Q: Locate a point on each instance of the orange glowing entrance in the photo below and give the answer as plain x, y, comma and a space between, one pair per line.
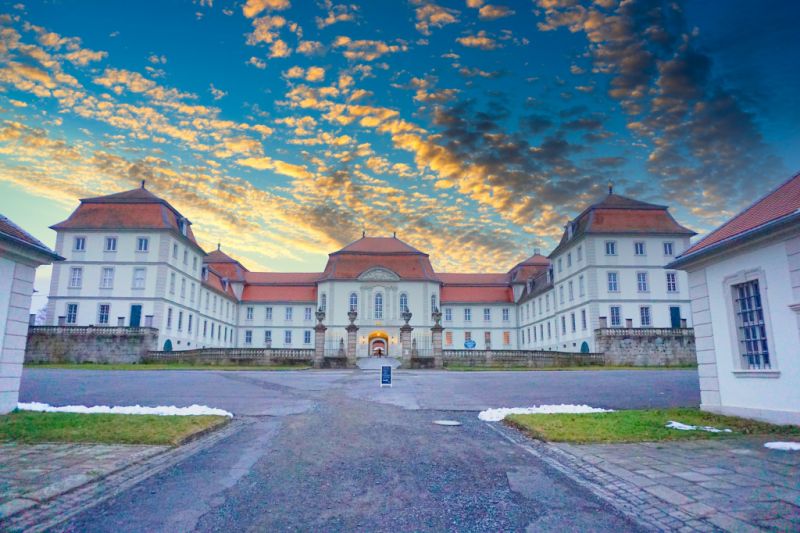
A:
378, 343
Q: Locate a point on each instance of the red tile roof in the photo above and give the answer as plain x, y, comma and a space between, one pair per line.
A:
289, 278
473, 294
134, 209
473, 278
214, 281
777, 204
226, 265
280, 293
619, 214
11, 232
388, 253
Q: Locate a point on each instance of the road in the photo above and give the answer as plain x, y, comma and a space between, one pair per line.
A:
332, 451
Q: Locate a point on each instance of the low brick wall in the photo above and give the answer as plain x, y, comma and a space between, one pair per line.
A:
234, 356
520, 358
646, 346
90, 344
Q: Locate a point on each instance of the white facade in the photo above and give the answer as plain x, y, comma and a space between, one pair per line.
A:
730, 383
20, 254
609, 280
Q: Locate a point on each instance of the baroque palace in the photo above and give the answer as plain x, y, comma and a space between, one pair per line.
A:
132, 260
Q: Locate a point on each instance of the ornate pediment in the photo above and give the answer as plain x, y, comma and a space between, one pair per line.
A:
378, 274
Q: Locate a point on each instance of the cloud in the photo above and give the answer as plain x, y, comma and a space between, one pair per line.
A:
252, 8
83, 56
218, 94
432, 15
480, 40
256, 62
492, 12
336, 13
366, 50
266, 29
281, 167
279, 49
309, 48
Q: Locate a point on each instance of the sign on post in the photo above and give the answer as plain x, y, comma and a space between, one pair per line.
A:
386, 376
469, 344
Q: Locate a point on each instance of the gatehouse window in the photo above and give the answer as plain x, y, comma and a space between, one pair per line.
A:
353, 301
323, 302
379, 305
433, 303
403, 303
751, 326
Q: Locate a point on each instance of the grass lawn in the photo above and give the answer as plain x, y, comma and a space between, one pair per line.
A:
464, 368
34, 427
639, 426
159, 366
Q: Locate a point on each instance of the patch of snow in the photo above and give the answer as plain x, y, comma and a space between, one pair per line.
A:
495, 415
161, 410
686, 427
447, 422
784, 446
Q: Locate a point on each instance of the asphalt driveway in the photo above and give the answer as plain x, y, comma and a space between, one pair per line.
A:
332, 451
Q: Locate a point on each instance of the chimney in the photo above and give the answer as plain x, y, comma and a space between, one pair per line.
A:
610, 187
536, 251
142, 184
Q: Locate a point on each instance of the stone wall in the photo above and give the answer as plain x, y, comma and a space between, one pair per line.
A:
520, 358
90, 344
646, 346
235, 356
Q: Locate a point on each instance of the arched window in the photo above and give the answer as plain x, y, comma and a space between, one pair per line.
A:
323, 302
379, 305
353, 301
403, 303
433, 303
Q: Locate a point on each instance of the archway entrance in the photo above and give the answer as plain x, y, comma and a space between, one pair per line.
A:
378, 344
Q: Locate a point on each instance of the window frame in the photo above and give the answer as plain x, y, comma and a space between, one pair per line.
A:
642, 281
739, 368
104, 279
671, 245
637, 245
75, 282
74, 307
100, 314
611, 321
611, 248
79, 239
135, 285
645, 310
615, 275
110, 244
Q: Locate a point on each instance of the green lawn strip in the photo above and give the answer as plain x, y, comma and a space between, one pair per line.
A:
639, 426
31, 427
160, 366
465, 368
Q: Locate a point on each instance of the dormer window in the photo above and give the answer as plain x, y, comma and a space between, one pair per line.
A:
570, 230
182, 224
224, 284
204, 273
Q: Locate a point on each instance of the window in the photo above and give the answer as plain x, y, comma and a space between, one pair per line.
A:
611, 247
580, 253
672, 282
487, 338
189, 324
669, 249
507, 338
323, 302
186, 257
138, 278
751, 327
194, 263
288, 314
353, 302
248, 336
549, 332
180, 320
379, 306
169, 320
249, 313
569, 259
433, 303
638, 248
561, 294
103, 310
172, 283
75, 277
80, 244
448, 338
174, 251
644, 316
287, 337
570, 291
307, 313
72, 313
572, 322
613, 285
641, 281
581, 292
307, 336
563, 325
616, 316
467, 315
111, 244
267, 337
583, 319
559, 265
487, 314
448, 314
183, 287
467, 336
107, 278
268, 313
191, 292
205, 328
547, 302
505, 314
403, 303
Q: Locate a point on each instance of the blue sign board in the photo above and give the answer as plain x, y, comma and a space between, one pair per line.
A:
386, 376
470, 344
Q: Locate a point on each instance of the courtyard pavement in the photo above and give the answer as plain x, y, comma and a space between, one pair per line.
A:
331, 450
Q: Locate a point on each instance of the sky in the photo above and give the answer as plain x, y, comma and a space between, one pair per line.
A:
473, 128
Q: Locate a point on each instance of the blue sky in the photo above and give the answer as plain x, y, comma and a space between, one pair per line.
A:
474, 129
